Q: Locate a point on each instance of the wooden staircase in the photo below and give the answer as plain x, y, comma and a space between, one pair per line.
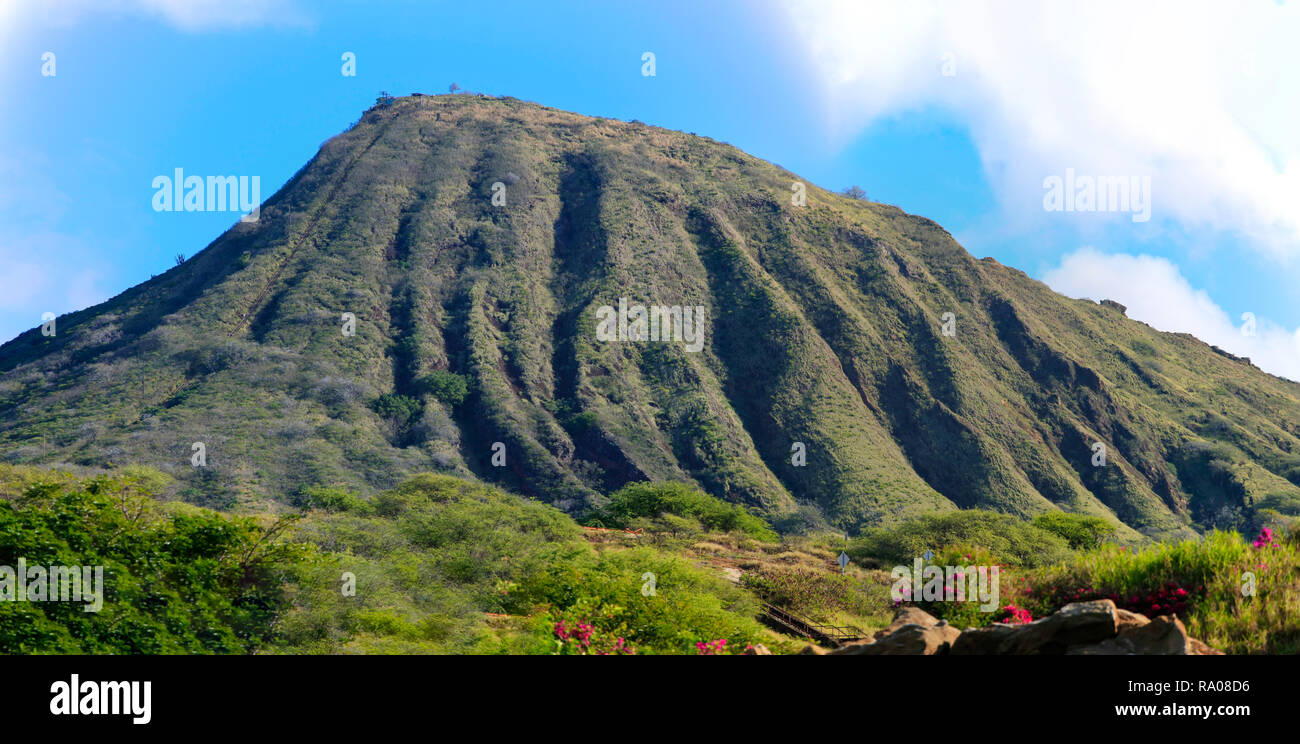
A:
786, 621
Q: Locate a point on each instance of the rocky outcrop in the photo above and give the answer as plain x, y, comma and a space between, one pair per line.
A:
1096, 628
907, 616
1074, 624
910, 639
1163, 636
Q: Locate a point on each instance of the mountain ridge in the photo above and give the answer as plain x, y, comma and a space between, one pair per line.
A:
825, 328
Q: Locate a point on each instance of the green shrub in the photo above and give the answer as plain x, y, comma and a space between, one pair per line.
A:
581, 422
1235, 595
330, 498
439, 552
448, 387
1081, 531
398, 408
654, 500
1142, 347
608, 591
1007, 538
176, 579
816, 594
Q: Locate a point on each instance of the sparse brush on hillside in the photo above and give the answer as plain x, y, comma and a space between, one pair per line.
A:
443, 565
810, 591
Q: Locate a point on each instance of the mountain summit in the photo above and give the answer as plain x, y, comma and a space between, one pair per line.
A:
563, 304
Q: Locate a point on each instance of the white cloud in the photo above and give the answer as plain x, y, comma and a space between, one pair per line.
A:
186, 15
1156, 293
198, 15
1201, 96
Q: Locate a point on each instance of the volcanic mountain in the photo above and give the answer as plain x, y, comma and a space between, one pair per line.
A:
426, 293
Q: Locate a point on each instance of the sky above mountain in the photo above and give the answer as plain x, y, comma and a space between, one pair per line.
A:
964, 112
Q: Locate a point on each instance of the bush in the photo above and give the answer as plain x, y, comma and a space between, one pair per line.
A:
338, 391
855, 192
1079, 530
1008, 539
398, 408
176, 579
581, 422
448, 387
655, 500
816, 594
330, 499
438, 552
1203, 582
605, 597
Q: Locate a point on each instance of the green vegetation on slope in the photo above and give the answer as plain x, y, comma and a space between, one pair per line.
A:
475, 331
443, 565
1238, 596
1004, 536
176, 578
676, 507
436, 565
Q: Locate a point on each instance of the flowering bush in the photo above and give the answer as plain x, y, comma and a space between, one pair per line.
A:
584, 639
605, 590
711, 648
1235, 594
1265, 539
966, 613
1016, 615
1160, 599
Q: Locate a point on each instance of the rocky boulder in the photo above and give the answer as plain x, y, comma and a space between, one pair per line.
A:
913, 632
1095, 628
1074, 624
907, 616
1163, 636
908, 640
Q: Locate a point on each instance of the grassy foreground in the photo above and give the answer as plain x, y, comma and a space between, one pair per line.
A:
444, 565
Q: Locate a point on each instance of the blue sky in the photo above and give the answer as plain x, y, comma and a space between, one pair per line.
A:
956, 111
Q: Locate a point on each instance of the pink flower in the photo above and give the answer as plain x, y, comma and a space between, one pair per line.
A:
1264, 540
711, 648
